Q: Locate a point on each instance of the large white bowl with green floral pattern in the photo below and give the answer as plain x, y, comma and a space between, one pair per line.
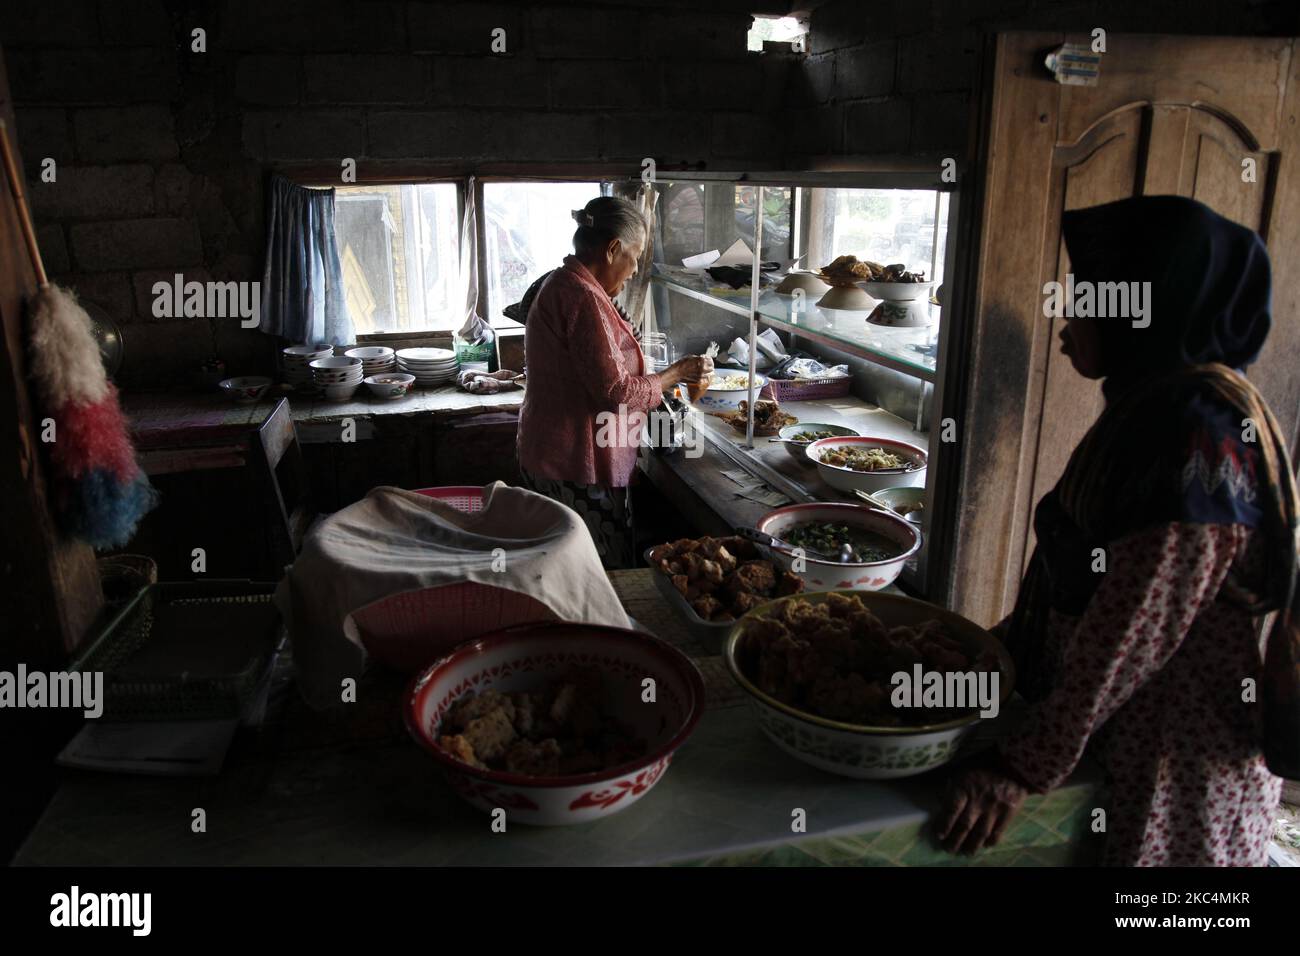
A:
854, 750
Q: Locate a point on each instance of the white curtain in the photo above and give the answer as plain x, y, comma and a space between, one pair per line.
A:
635, 298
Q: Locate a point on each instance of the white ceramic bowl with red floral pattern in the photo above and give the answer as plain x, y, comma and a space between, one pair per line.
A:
850, 480
529, 656
821, 575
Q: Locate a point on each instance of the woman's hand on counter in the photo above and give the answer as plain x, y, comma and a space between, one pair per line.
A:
691, 369
977, 808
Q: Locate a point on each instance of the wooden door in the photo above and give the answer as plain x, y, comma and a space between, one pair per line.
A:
1169, 115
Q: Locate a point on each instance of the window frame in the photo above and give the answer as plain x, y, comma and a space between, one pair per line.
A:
603, 174
810, 203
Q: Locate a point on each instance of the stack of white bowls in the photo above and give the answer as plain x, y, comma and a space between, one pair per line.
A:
296, 362
337, 377
431, 367
375, 359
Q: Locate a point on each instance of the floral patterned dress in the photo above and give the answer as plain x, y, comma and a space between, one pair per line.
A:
1152, 676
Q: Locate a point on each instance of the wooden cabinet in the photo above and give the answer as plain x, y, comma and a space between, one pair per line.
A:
1169, 115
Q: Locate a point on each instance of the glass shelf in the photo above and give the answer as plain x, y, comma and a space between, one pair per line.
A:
908, 350
703, 288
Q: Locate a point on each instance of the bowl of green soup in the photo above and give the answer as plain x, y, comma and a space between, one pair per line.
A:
879, 544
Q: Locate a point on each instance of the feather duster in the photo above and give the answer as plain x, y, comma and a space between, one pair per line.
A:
99, 492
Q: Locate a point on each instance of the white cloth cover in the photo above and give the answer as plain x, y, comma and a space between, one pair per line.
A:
393, 541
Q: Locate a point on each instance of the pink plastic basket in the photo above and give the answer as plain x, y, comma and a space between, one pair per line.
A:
802, 390
462, 497
409, 631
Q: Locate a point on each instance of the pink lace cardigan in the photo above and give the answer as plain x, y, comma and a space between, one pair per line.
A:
583, 360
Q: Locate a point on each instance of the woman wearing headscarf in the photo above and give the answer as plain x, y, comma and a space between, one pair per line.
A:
588, 386
1155, 661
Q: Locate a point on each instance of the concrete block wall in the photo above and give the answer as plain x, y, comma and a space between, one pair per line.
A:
162, 153
898, 76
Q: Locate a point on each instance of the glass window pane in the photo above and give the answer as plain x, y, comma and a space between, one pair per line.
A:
700, 218
528, 230
882, 225
398, 246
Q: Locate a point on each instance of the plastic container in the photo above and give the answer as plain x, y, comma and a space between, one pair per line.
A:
124, 576
186, 650
468, 498
808, 389
477, 355
409, 631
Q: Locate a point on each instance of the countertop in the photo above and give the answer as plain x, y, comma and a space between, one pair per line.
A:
351, 788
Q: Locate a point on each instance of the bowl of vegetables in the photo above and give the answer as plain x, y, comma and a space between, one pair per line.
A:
879, 544
799, 436
867, 463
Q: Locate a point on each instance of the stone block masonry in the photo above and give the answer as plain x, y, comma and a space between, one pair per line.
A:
162, 153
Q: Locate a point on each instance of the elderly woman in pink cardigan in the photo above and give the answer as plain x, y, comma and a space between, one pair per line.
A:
587, 379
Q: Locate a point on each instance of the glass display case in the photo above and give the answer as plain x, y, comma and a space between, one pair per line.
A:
894, 352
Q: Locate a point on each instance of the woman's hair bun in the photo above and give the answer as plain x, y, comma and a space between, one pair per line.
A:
606, 218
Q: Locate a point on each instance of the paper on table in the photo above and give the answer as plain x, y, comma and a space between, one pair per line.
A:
744, 479
737, 254
185, 748
703, 260
765, 496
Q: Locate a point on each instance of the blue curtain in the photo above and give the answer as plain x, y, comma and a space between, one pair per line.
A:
302, 284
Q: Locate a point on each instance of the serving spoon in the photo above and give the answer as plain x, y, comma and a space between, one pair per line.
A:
912, 516
845, 555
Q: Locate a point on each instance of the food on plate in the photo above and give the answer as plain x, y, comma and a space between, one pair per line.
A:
829, 537
804, 438
731, 383
836, 660
768, 417
865, 459
895, 273
562, 729
847, 270
722, 578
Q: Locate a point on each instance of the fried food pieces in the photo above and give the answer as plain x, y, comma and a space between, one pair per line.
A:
846, 270
722, 578
560, 730
835, 660
768, 417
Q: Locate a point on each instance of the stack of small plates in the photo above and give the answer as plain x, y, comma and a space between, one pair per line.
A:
337, 377
375, 359
430, 367
296, 363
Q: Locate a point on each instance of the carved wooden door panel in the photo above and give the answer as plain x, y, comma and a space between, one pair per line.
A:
1212, 118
